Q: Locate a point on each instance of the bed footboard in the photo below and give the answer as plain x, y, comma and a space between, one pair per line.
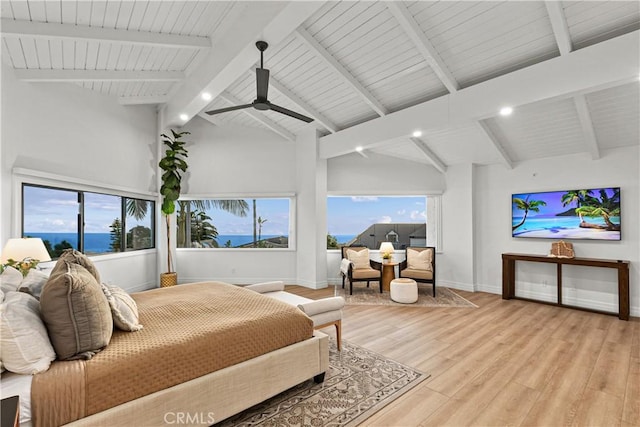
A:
221, 394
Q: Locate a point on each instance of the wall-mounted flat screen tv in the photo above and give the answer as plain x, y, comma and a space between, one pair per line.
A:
573, 214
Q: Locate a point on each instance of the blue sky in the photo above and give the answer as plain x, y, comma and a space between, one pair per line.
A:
353, 214
56, 211
275, 211
553, 201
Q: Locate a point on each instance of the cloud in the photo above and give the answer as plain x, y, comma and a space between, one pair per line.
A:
358, 199
418, 215
402, 212
385, 219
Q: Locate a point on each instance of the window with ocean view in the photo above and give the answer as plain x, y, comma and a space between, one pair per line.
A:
370, 220
234, 223
93, 223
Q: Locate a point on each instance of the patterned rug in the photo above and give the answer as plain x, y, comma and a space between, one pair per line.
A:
362, 295
358, 383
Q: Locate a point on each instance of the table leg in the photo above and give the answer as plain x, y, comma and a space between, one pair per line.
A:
388, 274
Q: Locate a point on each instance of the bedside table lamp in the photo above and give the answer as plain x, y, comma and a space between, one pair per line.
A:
24, 254
386, 250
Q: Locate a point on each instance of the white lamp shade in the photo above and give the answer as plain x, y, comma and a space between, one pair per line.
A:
19, 249
386, 248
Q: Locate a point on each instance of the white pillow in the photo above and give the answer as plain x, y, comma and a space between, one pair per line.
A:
123, 308
10, 279
360, 259
34, 282
419, 260
25, 347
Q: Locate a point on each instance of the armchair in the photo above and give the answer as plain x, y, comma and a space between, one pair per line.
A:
420, 265
359, 268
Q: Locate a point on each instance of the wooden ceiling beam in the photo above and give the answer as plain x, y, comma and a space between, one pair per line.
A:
422, 43
430, 155
580, 71
341, 71
219, 68
588, 133
50, 30
559, 25
488, 133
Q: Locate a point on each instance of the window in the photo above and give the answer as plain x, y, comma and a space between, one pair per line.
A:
92, 223
234, 223
370, 220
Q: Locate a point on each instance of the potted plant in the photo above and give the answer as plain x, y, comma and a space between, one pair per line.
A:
173, 165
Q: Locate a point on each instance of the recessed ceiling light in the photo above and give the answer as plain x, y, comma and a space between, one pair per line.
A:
184, 117
417, 133
359, 149
206, 96
506, 111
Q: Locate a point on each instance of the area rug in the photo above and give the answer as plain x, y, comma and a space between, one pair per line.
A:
362, 295
359, 383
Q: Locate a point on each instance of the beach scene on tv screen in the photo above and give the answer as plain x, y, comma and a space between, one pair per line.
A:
572, 214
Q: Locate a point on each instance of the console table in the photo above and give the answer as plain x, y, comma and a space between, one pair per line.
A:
509, 278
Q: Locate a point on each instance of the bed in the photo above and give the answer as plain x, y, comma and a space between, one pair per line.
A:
207, 351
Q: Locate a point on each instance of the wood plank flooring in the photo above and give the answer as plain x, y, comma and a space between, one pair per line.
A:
513, 362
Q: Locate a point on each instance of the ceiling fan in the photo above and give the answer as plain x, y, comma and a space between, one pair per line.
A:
261, 102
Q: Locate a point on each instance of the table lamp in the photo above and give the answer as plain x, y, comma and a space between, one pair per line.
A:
387, 250
24, 254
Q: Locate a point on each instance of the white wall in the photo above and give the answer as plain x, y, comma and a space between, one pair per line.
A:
237, 161
82, 135
591, 287
455, 265
381, 175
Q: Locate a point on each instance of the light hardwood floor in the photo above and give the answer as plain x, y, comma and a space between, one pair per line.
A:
512, 362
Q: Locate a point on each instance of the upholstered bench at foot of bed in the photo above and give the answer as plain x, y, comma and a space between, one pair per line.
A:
324, 312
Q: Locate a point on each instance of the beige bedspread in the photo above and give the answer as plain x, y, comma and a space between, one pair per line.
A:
189, 331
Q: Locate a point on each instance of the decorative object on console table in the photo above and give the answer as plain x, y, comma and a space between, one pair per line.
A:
174, 165
24, 254
562, 249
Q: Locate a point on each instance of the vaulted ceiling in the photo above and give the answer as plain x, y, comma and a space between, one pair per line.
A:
369, 73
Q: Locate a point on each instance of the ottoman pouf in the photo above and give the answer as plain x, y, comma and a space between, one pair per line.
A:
404, 291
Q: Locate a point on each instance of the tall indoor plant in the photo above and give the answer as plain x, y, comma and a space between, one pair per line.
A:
173, 165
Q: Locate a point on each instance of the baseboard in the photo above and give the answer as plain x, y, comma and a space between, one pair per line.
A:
139, 288
456, 285
235, 280
491, 289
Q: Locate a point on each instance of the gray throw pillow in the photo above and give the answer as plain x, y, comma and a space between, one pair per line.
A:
76, 313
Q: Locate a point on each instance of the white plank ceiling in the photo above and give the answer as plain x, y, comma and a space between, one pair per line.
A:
347, 65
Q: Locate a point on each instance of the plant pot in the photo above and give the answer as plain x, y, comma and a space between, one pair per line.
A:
168, 279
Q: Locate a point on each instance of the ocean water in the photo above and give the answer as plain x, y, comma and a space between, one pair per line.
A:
98, 243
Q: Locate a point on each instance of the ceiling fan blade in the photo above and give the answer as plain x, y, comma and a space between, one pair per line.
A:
290, 113
224, 110
262, 83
